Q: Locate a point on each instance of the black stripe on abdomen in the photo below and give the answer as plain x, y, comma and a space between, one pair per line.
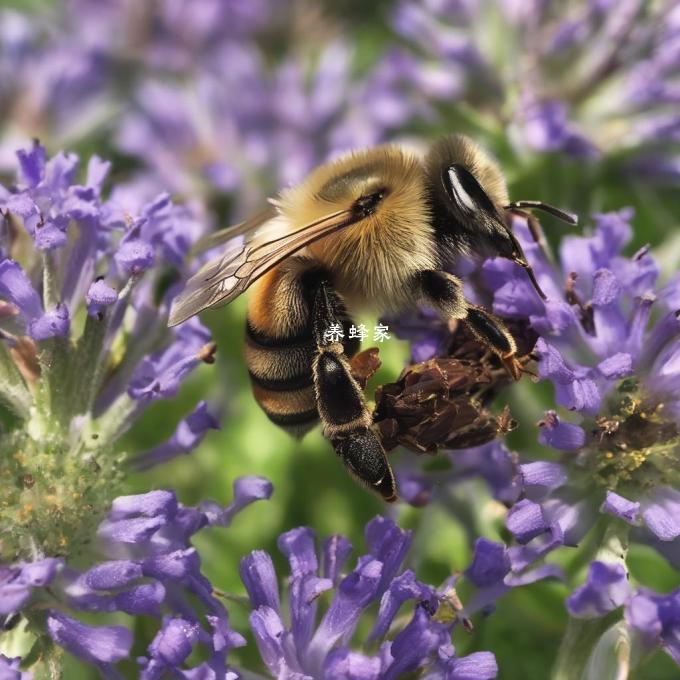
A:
280, 371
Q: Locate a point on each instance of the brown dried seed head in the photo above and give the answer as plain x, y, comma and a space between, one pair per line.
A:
436, 405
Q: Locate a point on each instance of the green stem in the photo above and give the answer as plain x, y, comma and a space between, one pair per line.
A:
50, 286
582, 635
577, 645
115, 421
614, 546
54, 398
87, 369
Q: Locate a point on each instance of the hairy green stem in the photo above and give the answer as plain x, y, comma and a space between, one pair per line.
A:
582, 635
87, 369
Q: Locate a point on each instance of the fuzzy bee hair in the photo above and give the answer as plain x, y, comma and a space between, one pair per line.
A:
371, 260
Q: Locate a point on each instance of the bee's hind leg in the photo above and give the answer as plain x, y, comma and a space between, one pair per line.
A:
444, 293
340, 400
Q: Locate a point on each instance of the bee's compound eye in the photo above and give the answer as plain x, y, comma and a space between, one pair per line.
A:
366, 205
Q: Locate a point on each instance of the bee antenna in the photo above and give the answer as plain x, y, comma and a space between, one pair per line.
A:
569, 218
530, 273
519, 258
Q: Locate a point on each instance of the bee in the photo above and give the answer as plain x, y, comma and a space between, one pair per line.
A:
371, 231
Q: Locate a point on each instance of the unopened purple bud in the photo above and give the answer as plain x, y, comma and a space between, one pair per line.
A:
99, 295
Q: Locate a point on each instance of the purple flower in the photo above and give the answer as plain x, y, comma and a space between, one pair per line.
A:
610, 357
151, 569
18, 582
98, 645
608, 342
613, 369
313, 644
187, 437
97, 378
456, 60
9, 669
76, 387
605, 590
652, 618
64, 81
201, 139
657, 619
495, 569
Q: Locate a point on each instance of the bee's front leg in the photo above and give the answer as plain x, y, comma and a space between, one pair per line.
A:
341, 404
444, 293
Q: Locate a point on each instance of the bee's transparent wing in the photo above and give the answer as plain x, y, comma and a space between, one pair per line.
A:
217, 238
221, 280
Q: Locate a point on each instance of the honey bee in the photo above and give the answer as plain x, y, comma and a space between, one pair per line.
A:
371, 231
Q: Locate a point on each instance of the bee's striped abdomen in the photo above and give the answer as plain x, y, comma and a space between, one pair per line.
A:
280, 345
281, 374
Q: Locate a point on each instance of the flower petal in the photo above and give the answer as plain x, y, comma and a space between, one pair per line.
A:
174, 641
475, 666
356, 591
388, 544
617, 366
53, 323
336, 551
617, 505
343, 664
606, 589
490, 563
560, 435
298, 546
259, 578
112, 574
151, 504
16, 288
540, 478
10, 669
96, 644
404, 587
526, 521
144, 599
247, 490
414, 646
661, 513
99, 295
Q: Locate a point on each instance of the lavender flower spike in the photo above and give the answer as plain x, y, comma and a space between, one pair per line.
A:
148, 567
59, 378
609, 338
311, 646
84, 349
629, 54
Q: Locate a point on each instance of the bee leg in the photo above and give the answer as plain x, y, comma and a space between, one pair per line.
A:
342, 408
444, 293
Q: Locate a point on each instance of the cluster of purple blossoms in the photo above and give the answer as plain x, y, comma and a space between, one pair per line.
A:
149, 568
249, 126
67, 69
582, 79
85, 285
203, 111
609, 341
307, 648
